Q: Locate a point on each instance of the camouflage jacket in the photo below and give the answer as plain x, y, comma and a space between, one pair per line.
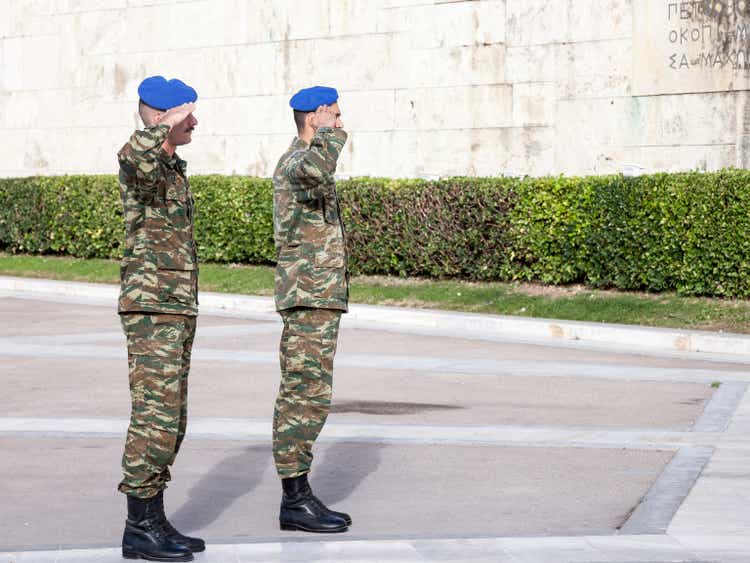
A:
311, 269
159, 269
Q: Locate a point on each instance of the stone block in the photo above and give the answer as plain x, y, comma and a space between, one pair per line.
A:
534, 103
484, 152
76, 6
37, 109
384, 4
254, 155
534, 63
350, 17
258, 115
204, 24
25, 18
368, 110
531, 152
5, 24
688, 120
458, 24
241, 70
457, 66
600, 69
30, 63
280, 20
349, 63
460, 107
590, 134
706, 158
400, 19
136, 3
14, 145
596, 20
379, 153
443, 153
536, 22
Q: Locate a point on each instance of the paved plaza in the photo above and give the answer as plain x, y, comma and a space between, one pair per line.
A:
442, 448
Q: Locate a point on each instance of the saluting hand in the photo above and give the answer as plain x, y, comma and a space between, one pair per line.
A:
324, 116
177, 114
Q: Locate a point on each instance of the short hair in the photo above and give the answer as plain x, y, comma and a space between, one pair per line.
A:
146, 112
299, 119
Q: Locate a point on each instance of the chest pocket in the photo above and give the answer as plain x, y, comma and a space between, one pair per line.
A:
179, 202
176, 188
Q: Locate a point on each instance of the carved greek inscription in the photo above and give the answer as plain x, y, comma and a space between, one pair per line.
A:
691, 46
709, 34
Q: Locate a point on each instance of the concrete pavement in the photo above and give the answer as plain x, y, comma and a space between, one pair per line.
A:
705, 345
443, 448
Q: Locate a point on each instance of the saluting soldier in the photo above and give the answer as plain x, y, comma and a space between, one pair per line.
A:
311, 293
158, 307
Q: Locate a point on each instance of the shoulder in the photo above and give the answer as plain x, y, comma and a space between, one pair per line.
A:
145, 140
125, 151
287, 159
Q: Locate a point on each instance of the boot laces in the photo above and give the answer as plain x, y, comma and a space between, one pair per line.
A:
166, 525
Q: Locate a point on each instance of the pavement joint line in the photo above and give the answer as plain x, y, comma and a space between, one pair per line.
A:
119, 337
582, 549
719, 411
422, 321
686, 548
662, 501
258, 430
436, 366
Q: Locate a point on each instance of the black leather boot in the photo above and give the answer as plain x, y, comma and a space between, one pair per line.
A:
302, 510
193, 544
145, 536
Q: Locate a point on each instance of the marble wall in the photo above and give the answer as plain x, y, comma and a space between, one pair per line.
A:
428, 87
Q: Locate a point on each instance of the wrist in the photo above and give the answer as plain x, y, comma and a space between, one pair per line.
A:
166, 124
160, 128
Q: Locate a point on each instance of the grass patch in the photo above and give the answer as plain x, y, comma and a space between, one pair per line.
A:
569, 302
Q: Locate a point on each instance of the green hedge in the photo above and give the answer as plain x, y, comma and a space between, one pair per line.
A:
689, 232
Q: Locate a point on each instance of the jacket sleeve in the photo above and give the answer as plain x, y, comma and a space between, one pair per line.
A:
139, 160
311, 171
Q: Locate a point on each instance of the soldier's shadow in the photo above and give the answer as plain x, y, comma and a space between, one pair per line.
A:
342, 468
217, 490
339, 469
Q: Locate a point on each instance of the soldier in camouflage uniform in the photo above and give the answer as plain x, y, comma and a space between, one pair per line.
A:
158, 306
311, 293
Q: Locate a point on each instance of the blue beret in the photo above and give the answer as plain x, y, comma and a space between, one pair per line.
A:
163, 94
310, 99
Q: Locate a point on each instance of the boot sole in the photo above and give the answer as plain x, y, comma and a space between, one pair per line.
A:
298, 528
130, 554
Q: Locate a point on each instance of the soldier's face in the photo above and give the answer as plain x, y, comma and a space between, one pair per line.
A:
337, 111
182, 133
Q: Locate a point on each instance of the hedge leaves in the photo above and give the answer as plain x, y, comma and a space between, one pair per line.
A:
688, 232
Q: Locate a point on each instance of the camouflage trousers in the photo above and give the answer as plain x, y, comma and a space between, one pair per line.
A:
308, 345
159, 348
